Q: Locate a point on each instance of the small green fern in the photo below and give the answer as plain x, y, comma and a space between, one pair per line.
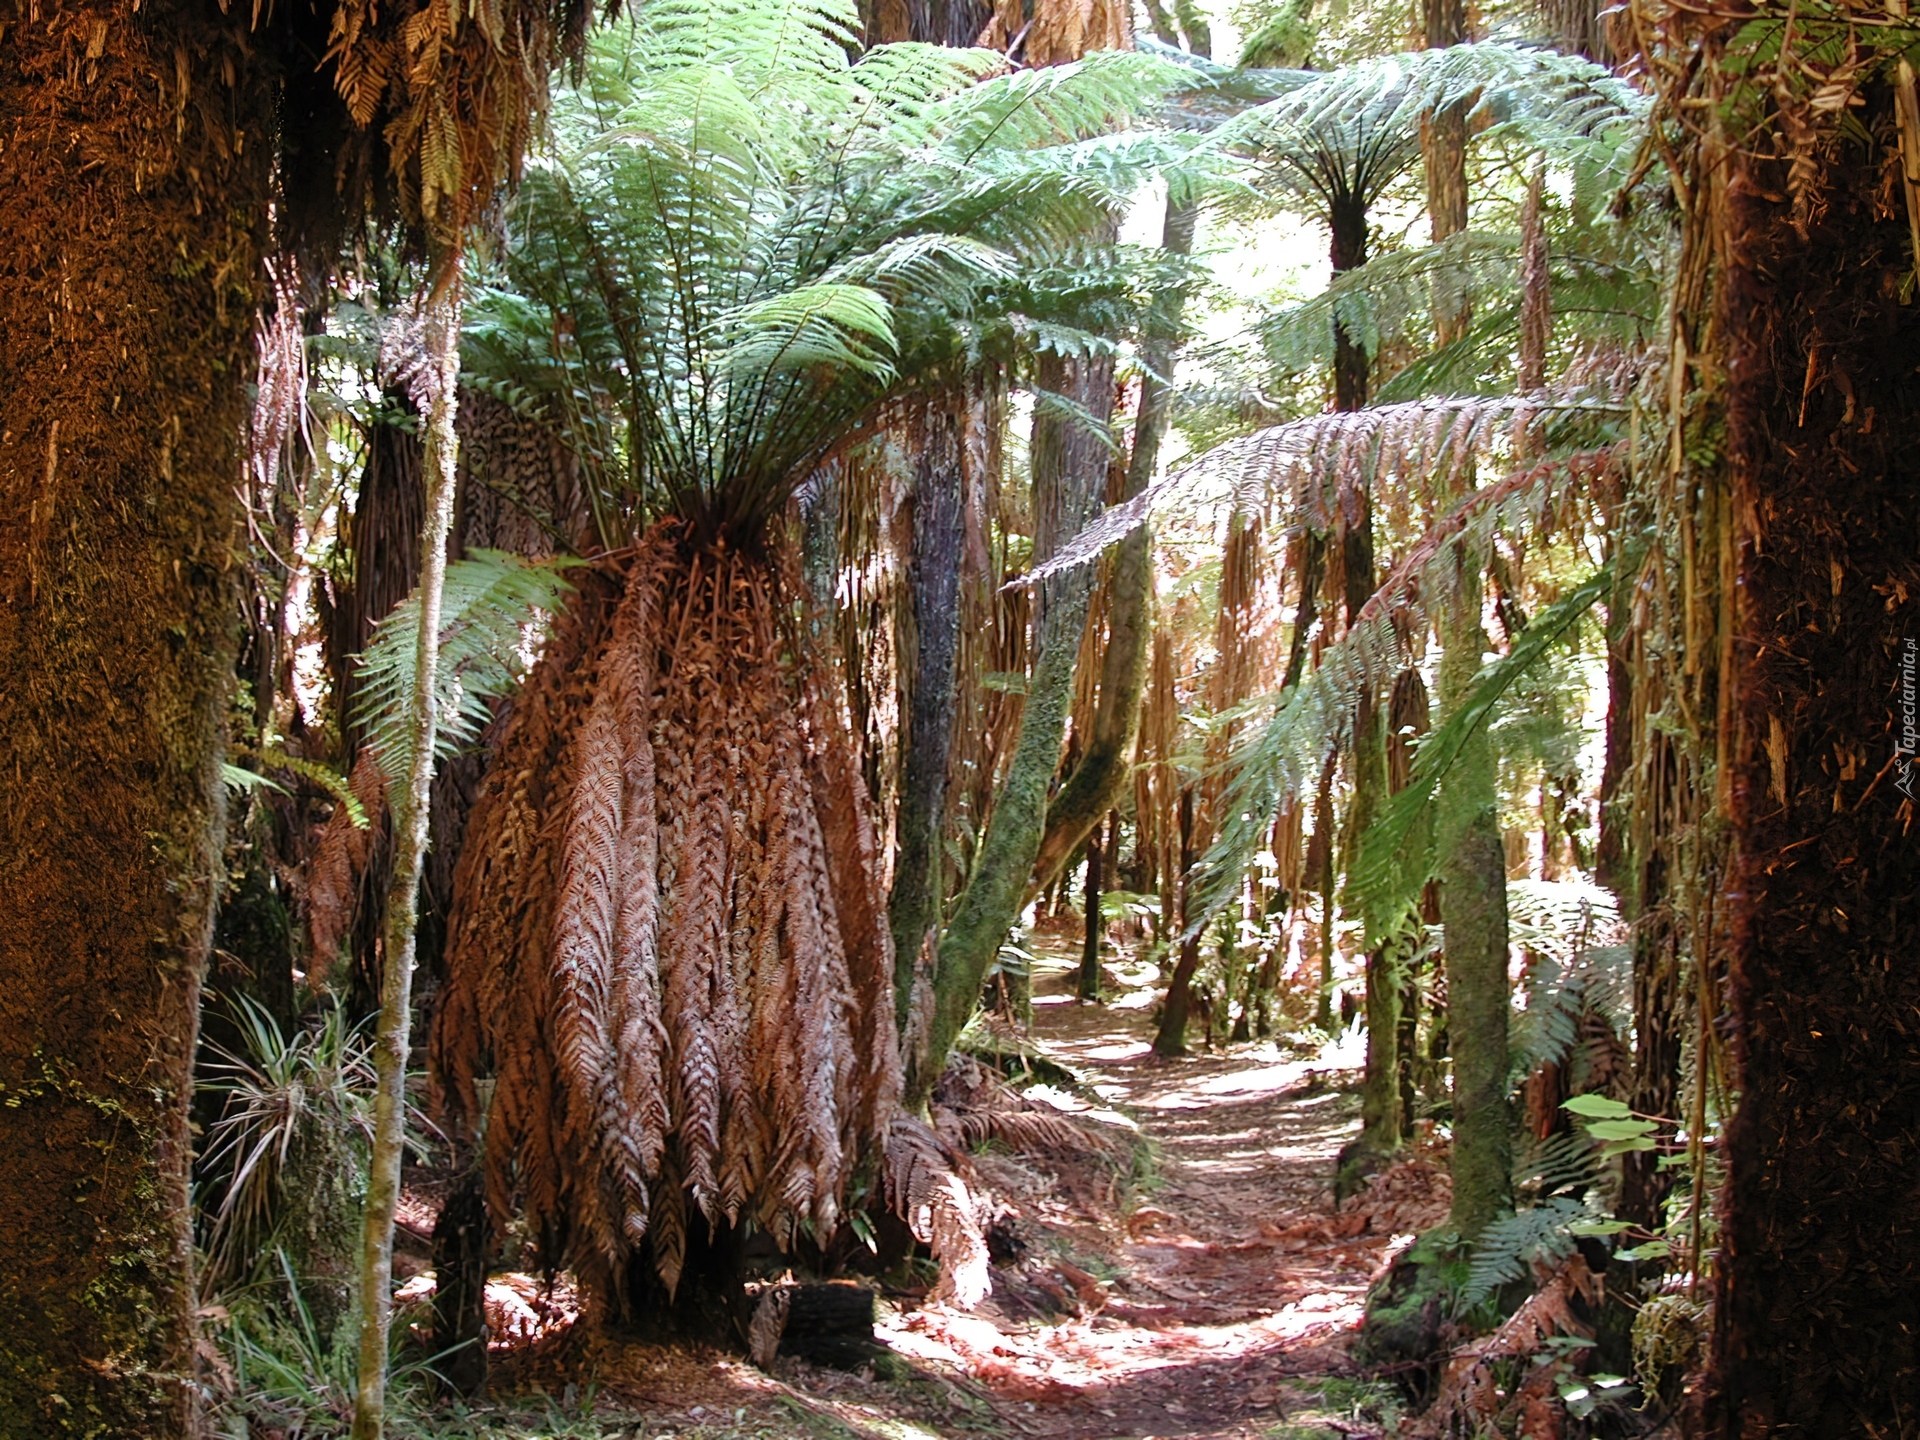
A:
1508, 1248
491, 610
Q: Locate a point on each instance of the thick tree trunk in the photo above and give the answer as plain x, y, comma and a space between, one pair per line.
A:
933, 579
1473, 904
1818, 1315
129, 270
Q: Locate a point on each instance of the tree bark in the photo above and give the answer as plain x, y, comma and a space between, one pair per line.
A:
1171, 1038
1104, 768
1380, 1085
1089, 987
1347, 219
1473, 903
933, 580
130, 245
1443, 145
1069, 469
1817, 1313
410, 814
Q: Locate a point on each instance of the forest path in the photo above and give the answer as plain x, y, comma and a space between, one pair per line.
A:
1224, 1299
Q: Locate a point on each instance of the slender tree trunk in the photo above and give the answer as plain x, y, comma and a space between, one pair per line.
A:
1171, 1038
1380, 1106
410, 814
1817, 1310
1473, 900
1380, 1089
1443, 144
1089, 987
933, 578
130, 266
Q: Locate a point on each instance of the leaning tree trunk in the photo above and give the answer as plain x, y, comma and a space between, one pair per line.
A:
1817, 1310
1105, 764
1473, 907
1069, 467
129, 271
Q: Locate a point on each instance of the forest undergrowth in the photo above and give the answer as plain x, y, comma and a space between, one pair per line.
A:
1170, 1260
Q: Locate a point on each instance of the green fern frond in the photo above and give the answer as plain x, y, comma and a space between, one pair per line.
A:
1507, 1249
741, 239
1396, 854
491, 610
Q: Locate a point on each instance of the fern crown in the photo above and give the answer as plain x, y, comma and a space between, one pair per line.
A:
740, 240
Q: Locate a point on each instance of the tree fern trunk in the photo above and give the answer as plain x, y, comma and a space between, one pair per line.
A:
130, 260
1817, 1312
1473, 903
410, 813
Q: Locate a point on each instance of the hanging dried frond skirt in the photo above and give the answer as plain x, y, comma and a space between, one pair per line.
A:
669, 939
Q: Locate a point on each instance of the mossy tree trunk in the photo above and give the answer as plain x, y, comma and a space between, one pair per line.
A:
1473, 907
1105, 765
129, 271
441, 369
1069, 472
1817, 1314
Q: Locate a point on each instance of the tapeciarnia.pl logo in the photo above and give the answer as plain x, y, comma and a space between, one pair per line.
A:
1909, 780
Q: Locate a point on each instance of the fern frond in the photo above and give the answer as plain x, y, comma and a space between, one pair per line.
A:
1396, 854
491, 605
1304, 466
1511, 1245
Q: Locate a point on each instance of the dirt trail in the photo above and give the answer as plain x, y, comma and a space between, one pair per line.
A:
1233, 1288
1216, 1301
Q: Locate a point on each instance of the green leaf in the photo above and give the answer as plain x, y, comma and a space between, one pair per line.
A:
1619, 1129
1600, 1227
1624, 1147
1596, 1107
1652, 1250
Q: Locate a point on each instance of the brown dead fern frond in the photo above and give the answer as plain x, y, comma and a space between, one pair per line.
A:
922, 1188
340, 859
672, 948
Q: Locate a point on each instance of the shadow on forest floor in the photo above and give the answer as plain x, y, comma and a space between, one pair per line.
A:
1212, 1295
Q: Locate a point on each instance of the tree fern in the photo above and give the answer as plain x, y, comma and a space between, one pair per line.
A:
740, 240
492, 606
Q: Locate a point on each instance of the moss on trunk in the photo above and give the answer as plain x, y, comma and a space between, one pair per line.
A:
1473, 907
129, 262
